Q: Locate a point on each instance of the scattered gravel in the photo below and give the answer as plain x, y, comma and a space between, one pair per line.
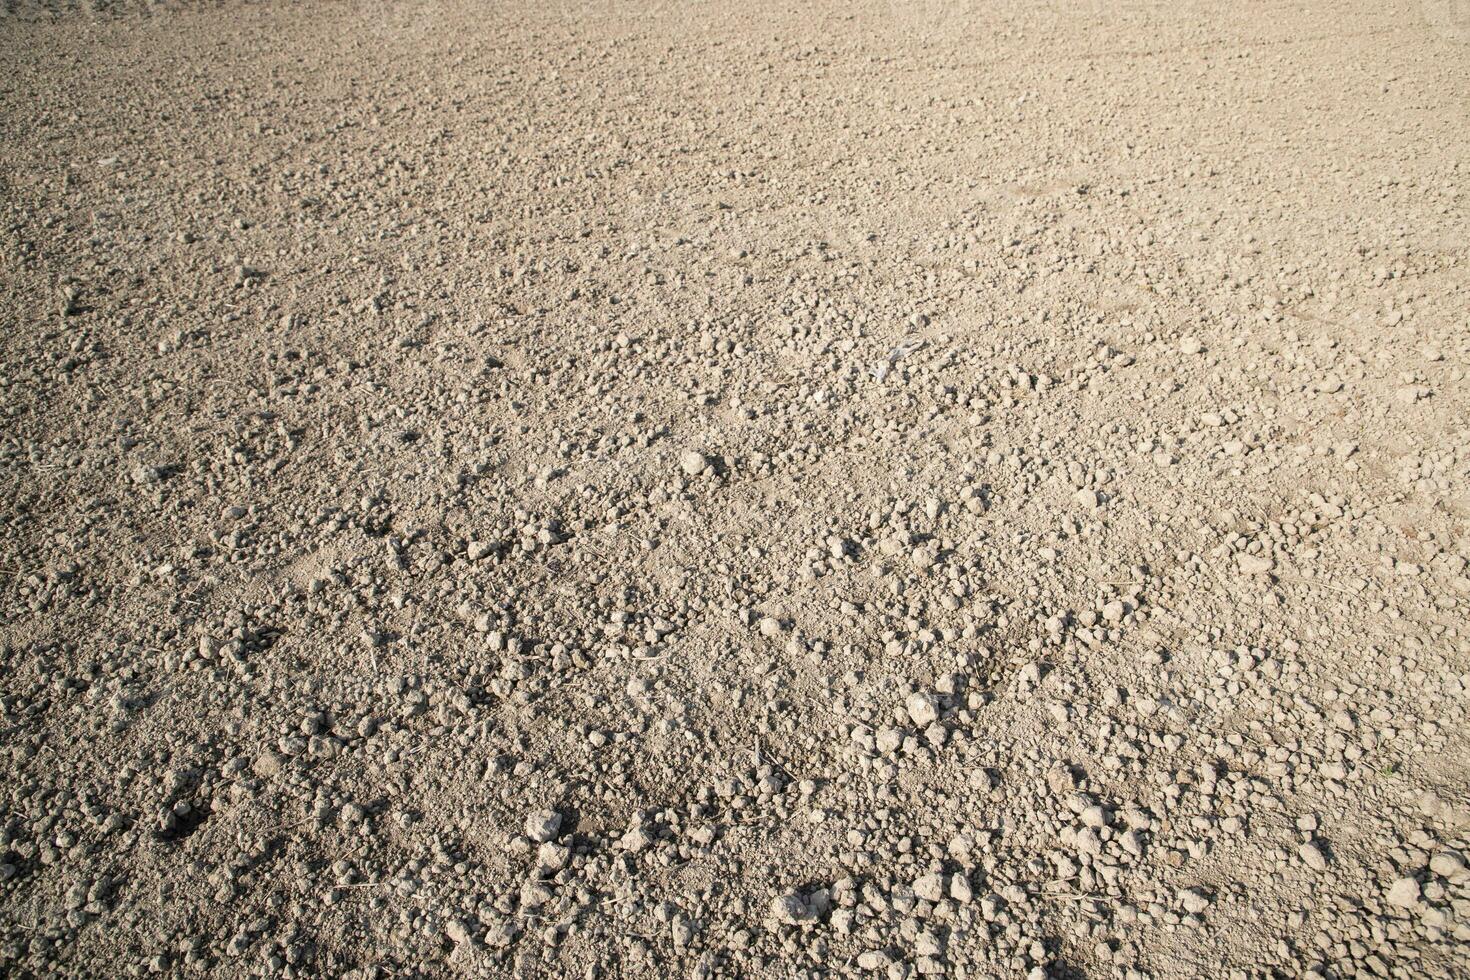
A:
644, 489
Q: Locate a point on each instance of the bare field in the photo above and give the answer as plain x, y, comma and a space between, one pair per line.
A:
641, 489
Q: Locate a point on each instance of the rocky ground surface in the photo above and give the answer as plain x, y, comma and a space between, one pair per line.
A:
647, 488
